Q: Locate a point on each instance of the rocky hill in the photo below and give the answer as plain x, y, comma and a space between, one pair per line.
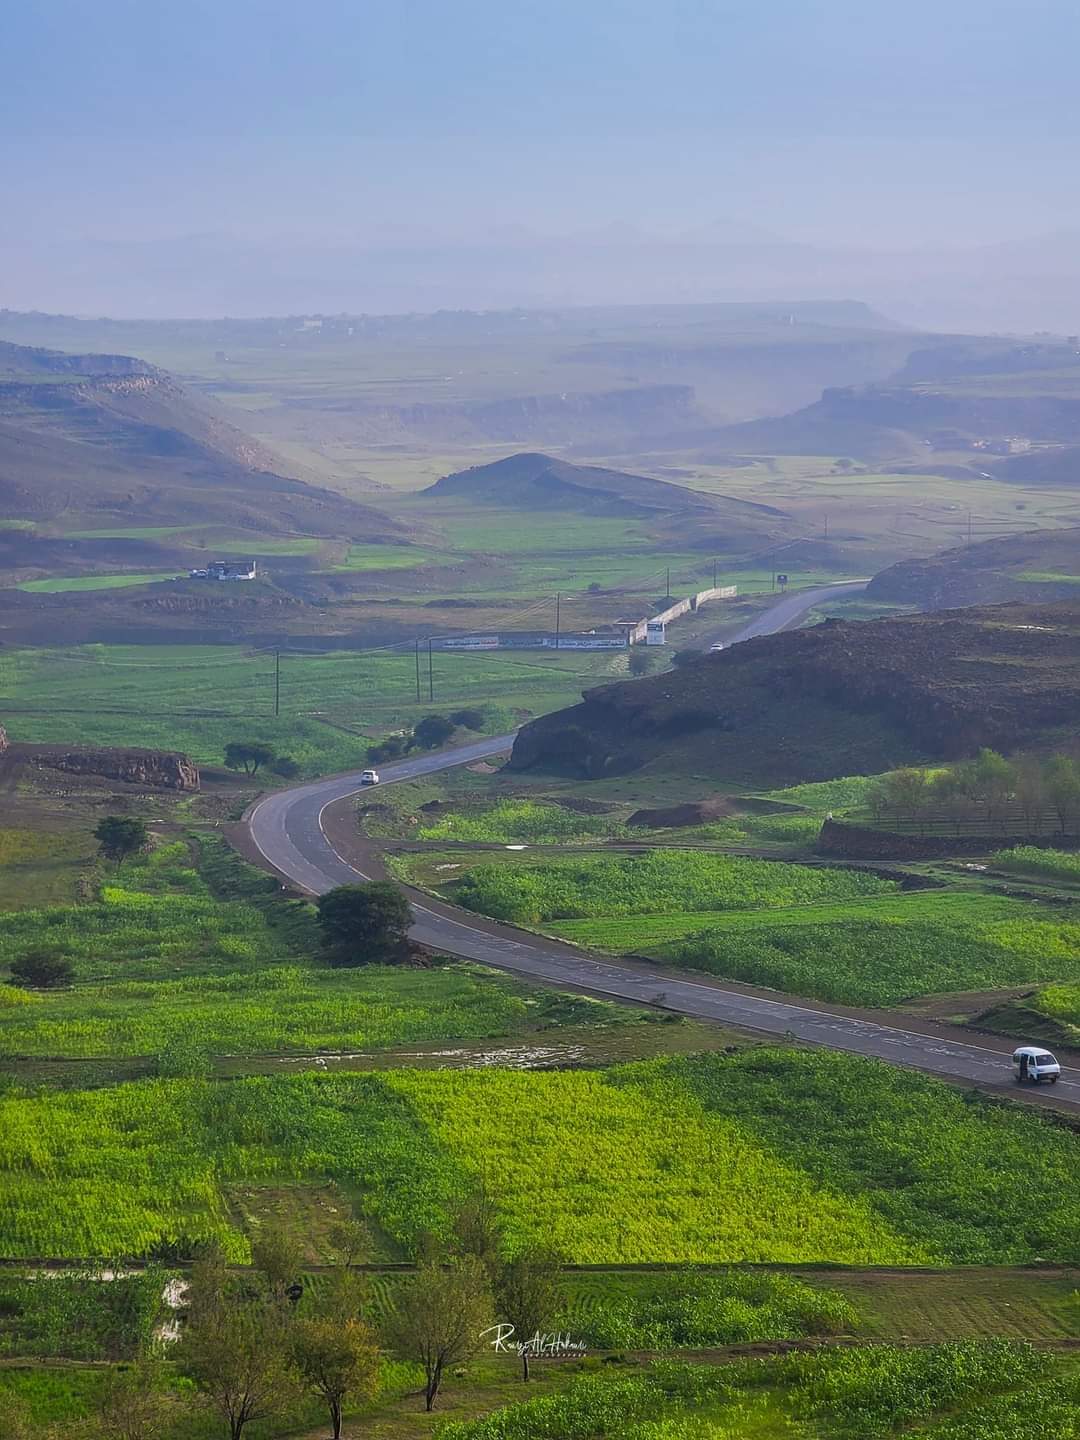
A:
102, 439
839, 698
1038, 565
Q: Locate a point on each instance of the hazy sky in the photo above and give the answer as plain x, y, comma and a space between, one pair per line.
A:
928, 123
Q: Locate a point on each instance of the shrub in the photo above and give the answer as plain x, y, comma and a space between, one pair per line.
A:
468, 719
42, 969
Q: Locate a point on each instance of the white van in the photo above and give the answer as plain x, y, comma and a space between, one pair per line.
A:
369, 777
1032, 1062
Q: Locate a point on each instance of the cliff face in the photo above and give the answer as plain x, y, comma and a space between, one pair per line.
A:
155, 769
841, 698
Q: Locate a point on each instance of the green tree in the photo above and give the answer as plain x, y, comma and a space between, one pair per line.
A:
528, 1296
478, 1229
1031, 793
235, 1349
285, 766
996, 779
349, 1241
248, 755
119, 836
42, 969
279, 1258
133, 1405
949, 794
440, 1316
432, 731
364, 924
907, 791
1063, 789
335, 1358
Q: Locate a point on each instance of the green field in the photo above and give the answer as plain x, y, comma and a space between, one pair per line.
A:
878, 951
658, 881
196, 698
963, 1391
391, 557
165, 959
62, 584
846, 1160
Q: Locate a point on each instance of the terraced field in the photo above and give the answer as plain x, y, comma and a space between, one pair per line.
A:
847, 1160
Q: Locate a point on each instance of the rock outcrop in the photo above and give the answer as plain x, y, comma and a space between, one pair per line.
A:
155, 769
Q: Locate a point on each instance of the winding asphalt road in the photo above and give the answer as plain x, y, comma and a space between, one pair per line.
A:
288, 831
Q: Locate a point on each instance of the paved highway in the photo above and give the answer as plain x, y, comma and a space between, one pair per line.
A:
287, 829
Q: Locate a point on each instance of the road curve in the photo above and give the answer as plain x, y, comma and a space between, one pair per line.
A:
286, 827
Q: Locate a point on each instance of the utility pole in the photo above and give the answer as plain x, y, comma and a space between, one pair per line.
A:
418, 669
558, 618
430, 673
714, 574
969, 527
826, 525
669, 582
277, 682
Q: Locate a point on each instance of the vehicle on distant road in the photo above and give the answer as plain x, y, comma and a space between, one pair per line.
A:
369, 777
720, 646
1030, 1062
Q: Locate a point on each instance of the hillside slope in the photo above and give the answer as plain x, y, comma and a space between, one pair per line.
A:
840, 698
531, 481
1038, 565
99, 439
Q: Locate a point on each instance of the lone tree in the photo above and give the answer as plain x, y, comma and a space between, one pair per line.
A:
432, 731
364, 924
248, 755
119, 836
440, 1317
42, 969
529, 1297
335, 1357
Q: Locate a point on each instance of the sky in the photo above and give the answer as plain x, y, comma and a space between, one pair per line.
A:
174, 157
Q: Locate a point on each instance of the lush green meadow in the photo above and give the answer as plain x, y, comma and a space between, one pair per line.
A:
873, 951
771, 1155
959, 1391
657, 882
197, 698
532, 822
193, 947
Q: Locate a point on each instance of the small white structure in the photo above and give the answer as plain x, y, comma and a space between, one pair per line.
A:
656, 633
226, 570
1032, 1062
